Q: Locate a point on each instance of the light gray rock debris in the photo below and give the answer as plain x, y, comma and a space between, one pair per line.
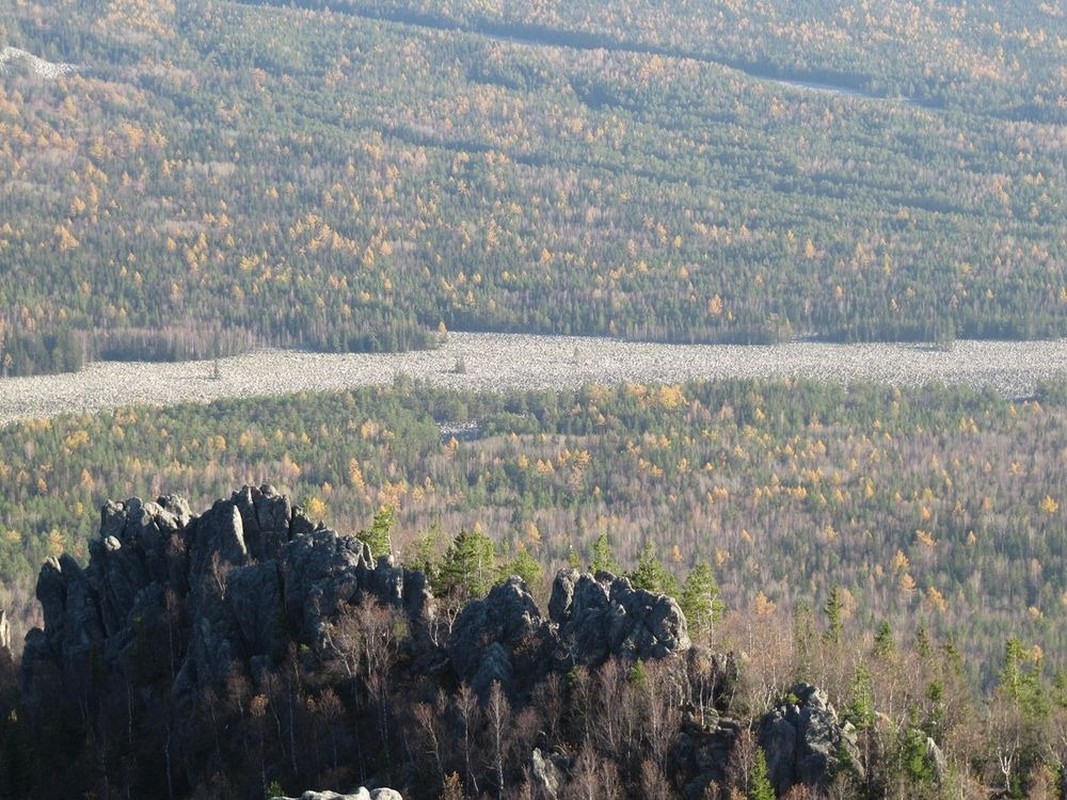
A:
360, 794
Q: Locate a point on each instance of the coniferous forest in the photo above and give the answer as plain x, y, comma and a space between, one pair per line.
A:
200, 178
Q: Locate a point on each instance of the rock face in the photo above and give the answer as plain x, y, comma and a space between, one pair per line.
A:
592, 618
184, 601
701, 754
804, 741
501, 636
701, 751
547, 774
602, 615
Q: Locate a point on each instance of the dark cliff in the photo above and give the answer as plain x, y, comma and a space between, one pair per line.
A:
246, 649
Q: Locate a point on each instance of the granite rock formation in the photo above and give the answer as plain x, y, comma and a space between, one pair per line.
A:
171, 595
504, 638
804, 741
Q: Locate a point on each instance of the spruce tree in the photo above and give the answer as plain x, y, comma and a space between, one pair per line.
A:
469, 566
700, 600
603, 556
651, 575
378, 535
860, 709
525, 566
759, 785
834, 610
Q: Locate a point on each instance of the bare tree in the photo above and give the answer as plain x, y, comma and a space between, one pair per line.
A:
466, 702
498, 713
593, 778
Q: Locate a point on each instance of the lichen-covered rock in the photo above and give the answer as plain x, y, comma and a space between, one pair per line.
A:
547, 774
804, 741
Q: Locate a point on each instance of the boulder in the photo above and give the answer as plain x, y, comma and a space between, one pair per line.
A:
936, 757
500, 638
600, 616
803, 740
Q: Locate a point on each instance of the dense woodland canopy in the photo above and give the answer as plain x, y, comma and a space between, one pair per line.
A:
939, 506
901, 548
214, 175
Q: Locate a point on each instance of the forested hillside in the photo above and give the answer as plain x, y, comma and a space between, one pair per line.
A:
210, 175
243, 651
938, 506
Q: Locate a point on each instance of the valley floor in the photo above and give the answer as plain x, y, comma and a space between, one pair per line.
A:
503, 362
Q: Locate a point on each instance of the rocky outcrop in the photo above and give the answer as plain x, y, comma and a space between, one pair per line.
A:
603, 615
245, 616
501, 636
183, 601
701, 753
935, 756
505, 638
548, 775
173, 599
803, 740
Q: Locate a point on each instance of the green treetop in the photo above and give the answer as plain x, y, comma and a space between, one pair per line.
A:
700, 600
651, 575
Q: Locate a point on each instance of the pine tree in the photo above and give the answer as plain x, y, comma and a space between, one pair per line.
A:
923, 645
833, 610
525, 566
469, 566
603, 557
759, 785
860, 708
1022, 684
804, 642
700, 600
378, 535
651, 575
884, 645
